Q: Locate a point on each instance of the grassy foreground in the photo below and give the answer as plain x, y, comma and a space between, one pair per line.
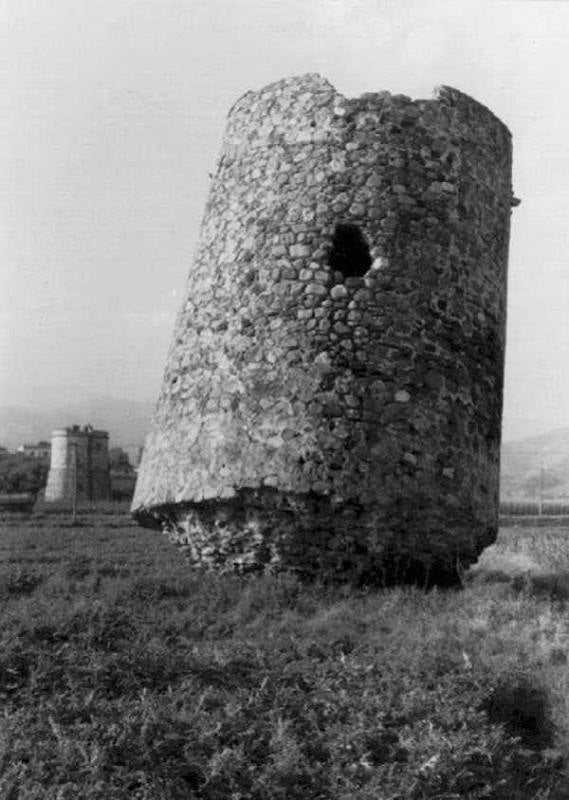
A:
122, 675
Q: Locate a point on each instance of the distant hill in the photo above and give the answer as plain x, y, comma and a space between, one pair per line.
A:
126, 420
535, 465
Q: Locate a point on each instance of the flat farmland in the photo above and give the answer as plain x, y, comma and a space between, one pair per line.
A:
125, 675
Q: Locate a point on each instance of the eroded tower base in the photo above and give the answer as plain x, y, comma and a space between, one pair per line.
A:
265, 529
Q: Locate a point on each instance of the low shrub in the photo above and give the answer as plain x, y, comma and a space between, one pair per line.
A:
19, 581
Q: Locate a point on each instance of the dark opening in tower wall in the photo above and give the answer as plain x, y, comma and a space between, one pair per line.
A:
350, 252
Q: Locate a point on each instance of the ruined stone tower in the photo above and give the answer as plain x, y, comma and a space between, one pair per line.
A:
81, 455
333, 393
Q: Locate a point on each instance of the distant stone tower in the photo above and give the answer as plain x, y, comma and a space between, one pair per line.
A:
332, 397
89, 449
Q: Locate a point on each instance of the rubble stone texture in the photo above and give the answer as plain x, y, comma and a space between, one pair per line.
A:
332, 397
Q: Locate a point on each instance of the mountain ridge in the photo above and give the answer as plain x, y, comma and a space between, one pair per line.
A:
536, 466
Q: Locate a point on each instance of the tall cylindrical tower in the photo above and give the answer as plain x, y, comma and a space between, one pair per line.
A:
333, 393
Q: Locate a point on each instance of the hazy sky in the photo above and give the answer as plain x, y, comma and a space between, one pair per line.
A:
111, 116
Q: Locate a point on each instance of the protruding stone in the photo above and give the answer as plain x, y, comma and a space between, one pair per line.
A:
299, 251
316, 289
338, 291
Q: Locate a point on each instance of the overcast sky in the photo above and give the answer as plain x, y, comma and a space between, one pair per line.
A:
111, 116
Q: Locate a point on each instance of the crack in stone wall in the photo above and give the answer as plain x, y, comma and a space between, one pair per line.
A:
380, 391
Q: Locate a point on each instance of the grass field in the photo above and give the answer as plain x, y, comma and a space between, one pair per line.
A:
123, 675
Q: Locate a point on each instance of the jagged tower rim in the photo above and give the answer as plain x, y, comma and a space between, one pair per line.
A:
440, 94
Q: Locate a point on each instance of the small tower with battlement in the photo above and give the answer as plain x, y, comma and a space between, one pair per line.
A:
79, 455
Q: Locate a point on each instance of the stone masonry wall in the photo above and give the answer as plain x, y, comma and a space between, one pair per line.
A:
333, 393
